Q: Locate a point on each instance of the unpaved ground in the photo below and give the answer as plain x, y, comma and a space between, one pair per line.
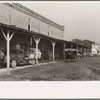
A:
84, 69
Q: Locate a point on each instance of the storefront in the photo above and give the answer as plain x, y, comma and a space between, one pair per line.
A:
50, 48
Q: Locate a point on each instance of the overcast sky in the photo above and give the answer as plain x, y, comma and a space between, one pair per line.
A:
81, 19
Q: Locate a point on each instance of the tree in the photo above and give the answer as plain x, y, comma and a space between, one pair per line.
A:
85, 42
88, 43
78, 41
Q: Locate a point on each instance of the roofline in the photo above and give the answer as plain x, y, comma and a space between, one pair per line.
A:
36, 34
5, 26
95, 43
36, 15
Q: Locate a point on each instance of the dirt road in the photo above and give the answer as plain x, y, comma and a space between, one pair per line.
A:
84, 69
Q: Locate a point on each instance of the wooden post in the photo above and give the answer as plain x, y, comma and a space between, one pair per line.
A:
31, 41
43, 51
53, 49
81, 50
72, 49
64, 45
37, 40
36, 52
86, 50
8, 53
8, 38
48, 30
77, 49
71, 46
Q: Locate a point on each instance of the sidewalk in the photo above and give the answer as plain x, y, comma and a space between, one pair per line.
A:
4, 70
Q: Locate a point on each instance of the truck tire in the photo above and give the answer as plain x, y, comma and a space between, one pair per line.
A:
32, 62
13, 63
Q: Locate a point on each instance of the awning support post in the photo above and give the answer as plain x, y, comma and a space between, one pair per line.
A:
8, 38
72, 49
53, 49
8, 52
64, 45
77, 50
81, 50
37, 40
84, 50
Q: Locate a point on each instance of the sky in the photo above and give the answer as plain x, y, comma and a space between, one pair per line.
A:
80, 18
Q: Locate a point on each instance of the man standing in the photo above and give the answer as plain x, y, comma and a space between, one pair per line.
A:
18, 47
1, 55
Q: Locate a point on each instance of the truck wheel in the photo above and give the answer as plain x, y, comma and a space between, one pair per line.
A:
32, 62
13, 63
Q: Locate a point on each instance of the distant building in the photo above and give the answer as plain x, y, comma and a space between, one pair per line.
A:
96, 49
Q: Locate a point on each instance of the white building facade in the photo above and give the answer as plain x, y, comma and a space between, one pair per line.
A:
96, 49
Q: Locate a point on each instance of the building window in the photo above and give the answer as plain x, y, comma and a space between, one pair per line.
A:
29, 22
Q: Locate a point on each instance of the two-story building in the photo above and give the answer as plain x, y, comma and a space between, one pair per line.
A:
20, 25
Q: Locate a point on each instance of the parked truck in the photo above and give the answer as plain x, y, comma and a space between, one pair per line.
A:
20, 57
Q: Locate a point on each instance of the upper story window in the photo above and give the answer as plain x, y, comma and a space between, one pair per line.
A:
29, 23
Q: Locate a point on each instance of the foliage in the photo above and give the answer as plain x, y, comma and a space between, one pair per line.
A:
83, 42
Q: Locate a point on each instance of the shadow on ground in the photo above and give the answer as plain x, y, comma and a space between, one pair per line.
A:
84, 69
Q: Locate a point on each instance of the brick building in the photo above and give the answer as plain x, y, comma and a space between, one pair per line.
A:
22, 17
18, 24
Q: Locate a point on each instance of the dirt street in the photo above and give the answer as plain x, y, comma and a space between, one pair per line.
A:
83, 69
